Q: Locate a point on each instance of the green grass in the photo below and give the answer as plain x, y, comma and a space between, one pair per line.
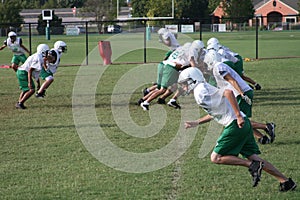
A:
43, 157
270, 45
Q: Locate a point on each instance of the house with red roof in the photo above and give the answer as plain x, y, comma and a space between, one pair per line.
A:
268, 12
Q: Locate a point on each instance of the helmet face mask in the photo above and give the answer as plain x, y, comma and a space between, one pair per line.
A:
213, 41
211, 58
187, 85
60, 46
52, 56
190, 78
213, 47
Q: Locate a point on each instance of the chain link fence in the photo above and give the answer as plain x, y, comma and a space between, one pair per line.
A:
274, 40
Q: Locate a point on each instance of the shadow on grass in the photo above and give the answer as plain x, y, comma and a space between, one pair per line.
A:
72, 126
287, 142
279, 96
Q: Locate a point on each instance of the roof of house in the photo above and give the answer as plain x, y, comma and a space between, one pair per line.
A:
292, 3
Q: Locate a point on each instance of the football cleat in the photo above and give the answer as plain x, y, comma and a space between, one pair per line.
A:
161, 101
20, 106
174, 104
255, 170
288, 185
145, 106
270, 130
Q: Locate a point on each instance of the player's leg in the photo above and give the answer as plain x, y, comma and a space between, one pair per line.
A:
154, 95
15, 63
173, 101
285, 184
169, 91
26, 91
269, 128
41, 92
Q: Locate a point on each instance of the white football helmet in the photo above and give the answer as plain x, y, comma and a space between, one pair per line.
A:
197, 44
213, 46
12, 34
183, 51
212, 41
60, 46
211, 58
162, 31
42, 49
191, 77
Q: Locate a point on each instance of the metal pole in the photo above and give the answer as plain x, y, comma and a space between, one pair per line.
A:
86, 44
30, 45
145, 43
200, 27
256, 57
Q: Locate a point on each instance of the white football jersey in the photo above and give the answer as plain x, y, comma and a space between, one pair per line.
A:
15, 47
179, 57
34, 61
213, 102
220, 70
227, 55
174, 43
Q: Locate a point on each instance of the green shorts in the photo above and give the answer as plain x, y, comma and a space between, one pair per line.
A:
44, 74
240, 63
169, 77
16, 59
22, 76
160, 69
246, 108
235, 140
235, 67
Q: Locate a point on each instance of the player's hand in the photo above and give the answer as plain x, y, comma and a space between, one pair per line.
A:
191, 124
247, 99
240, 121
257, 86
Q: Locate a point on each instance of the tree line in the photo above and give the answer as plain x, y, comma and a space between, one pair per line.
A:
238, 11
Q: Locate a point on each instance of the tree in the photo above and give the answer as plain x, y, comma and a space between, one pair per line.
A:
100, 9
70, 3
238, 10
31, 4
10, 17
158, 8
192, 9
56, 27
212, 5
138, 8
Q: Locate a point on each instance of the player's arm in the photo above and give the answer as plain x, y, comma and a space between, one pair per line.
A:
234, 83
30, 83
4, 45
193, 62
45, 63
21, 45
232, 100
202, 120
248, 79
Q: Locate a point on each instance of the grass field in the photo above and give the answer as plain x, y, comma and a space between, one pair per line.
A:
49, 151
270, 45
